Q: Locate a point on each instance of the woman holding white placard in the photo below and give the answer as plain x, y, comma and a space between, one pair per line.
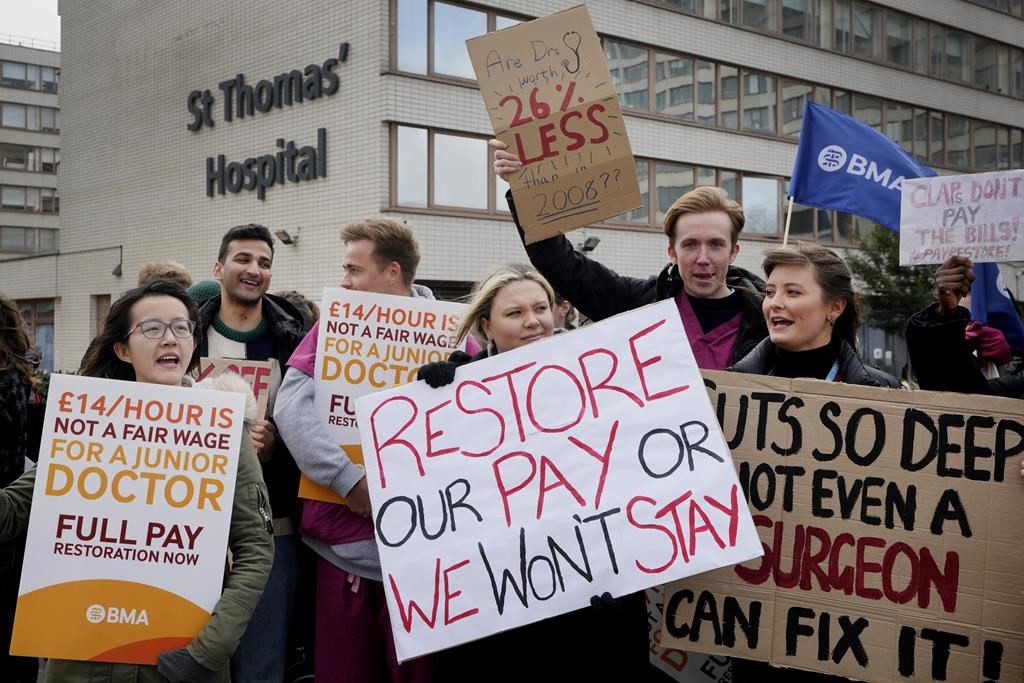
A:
513, 307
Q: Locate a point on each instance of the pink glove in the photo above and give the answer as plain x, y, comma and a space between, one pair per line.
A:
990, 341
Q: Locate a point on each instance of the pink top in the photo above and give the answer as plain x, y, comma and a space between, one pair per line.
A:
713, 350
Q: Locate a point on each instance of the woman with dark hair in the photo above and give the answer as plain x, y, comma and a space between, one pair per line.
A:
149, 336
812, 314
17, 397
511, 307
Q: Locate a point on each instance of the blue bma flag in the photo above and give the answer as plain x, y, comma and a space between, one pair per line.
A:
846, 165
991, 304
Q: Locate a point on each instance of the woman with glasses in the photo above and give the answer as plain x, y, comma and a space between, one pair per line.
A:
149, 336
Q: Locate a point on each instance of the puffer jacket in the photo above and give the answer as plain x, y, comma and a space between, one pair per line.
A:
251, 543
599, 292
852, 369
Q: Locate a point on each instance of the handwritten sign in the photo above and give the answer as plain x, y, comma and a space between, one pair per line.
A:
980, 216
130, 517
256, 372
891, 533
369, 342
578, 464
552, 100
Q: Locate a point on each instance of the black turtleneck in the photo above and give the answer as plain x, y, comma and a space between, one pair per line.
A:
714, 312
814, 363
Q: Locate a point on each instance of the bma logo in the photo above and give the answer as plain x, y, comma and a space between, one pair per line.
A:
832, 158
97, 614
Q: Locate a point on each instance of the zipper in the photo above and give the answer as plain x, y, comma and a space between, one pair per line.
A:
261, 504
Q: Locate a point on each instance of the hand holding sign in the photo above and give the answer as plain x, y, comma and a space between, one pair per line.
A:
953, 282
552, 103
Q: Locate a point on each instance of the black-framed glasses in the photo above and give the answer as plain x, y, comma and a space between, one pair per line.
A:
156, 329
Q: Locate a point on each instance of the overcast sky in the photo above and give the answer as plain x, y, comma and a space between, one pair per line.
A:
30, 19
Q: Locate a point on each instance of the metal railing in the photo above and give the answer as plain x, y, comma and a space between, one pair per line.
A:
27, 41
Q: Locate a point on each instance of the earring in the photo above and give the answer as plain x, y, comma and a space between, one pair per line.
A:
830, 321
492, 350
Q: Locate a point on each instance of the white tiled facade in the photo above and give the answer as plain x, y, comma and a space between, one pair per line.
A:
133, 177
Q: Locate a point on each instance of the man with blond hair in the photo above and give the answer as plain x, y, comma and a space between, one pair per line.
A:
164, 271
719, 303
353, 630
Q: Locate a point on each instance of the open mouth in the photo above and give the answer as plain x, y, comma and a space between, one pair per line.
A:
250, 284
169, 361
780, 323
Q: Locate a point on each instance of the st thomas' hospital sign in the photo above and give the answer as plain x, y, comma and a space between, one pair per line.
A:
290, 163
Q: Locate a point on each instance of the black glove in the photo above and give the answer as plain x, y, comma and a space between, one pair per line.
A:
178, 666
442, 373
604, 604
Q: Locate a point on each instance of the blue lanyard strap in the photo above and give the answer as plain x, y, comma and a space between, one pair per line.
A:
833, 373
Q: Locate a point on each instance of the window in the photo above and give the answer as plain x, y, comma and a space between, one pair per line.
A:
14, 198
453, 26
866, 31
842, 26
27, 240
985, 153
17, 157
705, 92
460, 171
899, 125
958, 56
801, 223
672, 182
760, 200
796, 19
823, 29
437, 169
673, 85
728, 78
921, 46
759, 14
28, 76
958, 131
49, 201
15, 115
921, 134
442, 52
628, 65
868, 110
14, 75
938, 138
49, 159
100, 308
640, 214
758, 102
898, 39
38, 315
729, 11
794, 96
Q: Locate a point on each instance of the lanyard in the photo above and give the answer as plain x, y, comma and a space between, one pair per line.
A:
833, 373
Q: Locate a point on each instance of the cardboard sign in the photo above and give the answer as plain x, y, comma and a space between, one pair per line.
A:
582, 463
130, 518
680, 666
890, 522
980, 216
256, 372
552, 100
369, 342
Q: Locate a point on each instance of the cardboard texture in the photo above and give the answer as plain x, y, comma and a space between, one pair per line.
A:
578, 464
891, 526
552, 100
368, 342
980, 216
256, 372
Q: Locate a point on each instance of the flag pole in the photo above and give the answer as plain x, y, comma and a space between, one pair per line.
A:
789, 215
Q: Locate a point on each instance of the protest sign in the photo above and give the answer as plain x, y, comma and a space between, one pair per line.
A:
551, 99
368, 342
257, 373
581, 463
130, 516
678, 665
890, 522
980, 216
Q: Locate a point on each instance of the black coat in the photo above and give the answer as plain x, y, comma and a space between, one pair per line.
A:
286, 327
16, 397
942, 359
599, 292
761, 361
